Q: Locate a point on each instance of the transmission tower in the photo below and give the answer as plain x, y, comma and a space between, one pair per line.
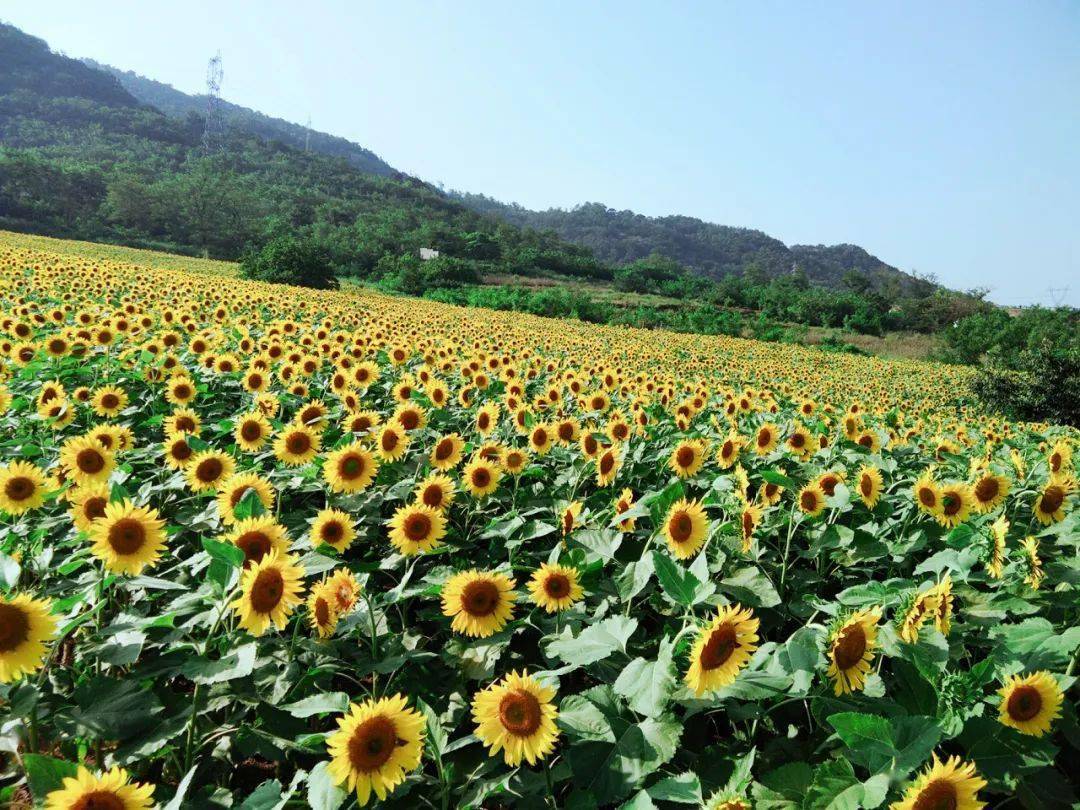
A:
214, 127
1058, 294
307, 135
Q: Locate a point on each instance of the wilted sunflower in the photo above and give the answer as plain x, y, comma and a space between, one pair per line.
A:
481, 477
955, 506
686, 527
209, 470
257, 537
112, 790
376, 744
1030, 703
943, 612
812, 499
1035, 573
269, 590
517, 716
26, 624
322, 610
555, 587
436, 491
868, 483
851, 649
297, 444
22, 487
686, 459
1050, 503
923, 607
349, 469
952, 784
236, 487
416, 528
480, 602
334, 528
723, 647
989, 490
86, 460
252, 431
127, 538
446, 454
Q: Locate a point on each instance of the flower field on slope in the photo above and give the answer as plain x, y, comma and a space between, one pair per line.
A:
264, 547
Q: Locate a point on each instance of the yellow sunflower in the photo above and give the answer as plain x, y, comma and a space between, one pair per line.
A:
999, 531
349, 469
851, 649
623, 504
722, 648
209, 470
728, 453
22, 487
555, 587
812, 499
416, 528
127, 538
766, 439
868, 483
269, 590
436, 491
517, 716
391, 441
112, 790
88, 504
1050, 503
109, 401
178, 453
334, 528
989, 490
1030, 703
607, 465
344, 588
748, 521
297, 444
26, 624
480, 602
923, 607
569, 517
86, 460
481, 476
686, 459
252, 430
446, 454
952, 784
257, 537
377, 743
956, 502
927, 493
236, 487
686, 527
322, 610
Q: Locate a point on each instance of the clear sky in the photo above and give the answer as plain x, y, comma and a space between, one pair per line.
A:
942, 137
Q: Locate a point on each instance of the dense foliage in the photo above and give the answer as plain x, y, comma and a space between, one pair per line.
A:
288, 260
264, 547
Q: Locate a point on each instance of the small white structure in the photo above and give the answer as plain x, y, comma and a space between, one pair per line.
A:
428, 253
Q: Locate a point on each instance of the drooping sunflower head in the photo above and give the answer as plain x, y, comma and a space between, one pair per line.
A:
555, 587
517, 716
377, 743
851, 649
111, 790
416, 528
1030, 703
26, 624
269, 591
334, 528
951, 784
999, 531
480, 602
723, 647
686, 527
127, 538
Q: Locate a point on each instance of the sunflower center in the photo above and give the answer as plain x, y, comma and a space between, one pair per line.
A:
866, 486
481, 477
951, 503
417, 526
1052, 498
110, 401
209, 470
681, 527
828, 484
866, 440
444, 449
480, 598
251, 431
927, 497
255, 546
1024, 703
372, 744
747, 524
14, 627
938, 795
566, 432
718, 649
332, 531
99, 800
987, 489
557, 586
389, 440
90, 461
606, 463
519, 713
351, 467
808, 501
540, 437
764, 438
850, 647
409, 419
727, 449
94, 507
298, 443
19, 488
185, 424
127, 536
685, 456
322, 612
267, 590
797, 441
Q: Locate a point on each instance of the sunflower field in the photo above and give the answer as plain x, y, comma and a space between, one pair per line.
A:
265, 547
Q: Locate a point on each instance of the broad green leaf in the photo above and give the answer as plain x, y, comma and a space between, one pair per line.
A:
318, 704
594, 643
45, 774
647, 685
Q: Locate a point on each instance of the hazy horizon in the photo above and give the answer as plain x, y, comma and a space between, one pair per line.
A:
941, 140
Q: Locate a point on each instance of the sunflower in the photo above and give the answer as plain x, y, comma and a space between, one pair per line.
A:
269, 590
989, 490
446, 454
88, 504
569, 517
999, 530
728, 453
868, 482
127, 538
26, 624
376, 744
334, 528
22, 487
749, 520
236, 487
297, 444
517, 716
183, 420
766, 439
109, 401
952, 784
180, 391
607, 465
851, 649
812, 499
178, 453
541, 438
480, 602
623, 504
209, 470
322, 611
416, 528
1050, 503
1060, 457
927, 493
923, 607
436, 491
723, 647
1031, 703
956, 503
481, 476
943, 614
391, 441
252, 431
349, 469
799, 442
686, 459
514, 460
344, 588
555, 587
685, 528
113, 790
86, 461
1035, 573
487, 418
257, 537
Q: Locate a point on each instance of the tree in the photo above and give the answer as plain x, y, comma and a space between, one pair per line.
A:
290, 260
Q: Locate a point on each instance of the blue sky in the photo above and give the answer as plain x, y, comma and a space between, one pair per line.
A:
942, 137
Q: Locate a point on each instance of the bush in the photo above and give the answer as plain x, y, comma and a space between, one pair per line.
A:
290, 260
1041, 383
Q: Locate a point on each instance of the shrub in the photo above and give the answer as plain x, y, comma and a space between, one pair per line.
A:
292, 260
1041, 383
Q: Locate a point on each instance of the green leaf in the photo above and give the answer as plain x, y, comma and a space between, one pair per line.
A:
866, 733
322, 793
781, 480
751, 587
581, 719
647, 685
594, 643
678, 582
266, 796
236, 664
114, 710
635, 576
46, 774
684, 789
224, 552
318, 704
611, 772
